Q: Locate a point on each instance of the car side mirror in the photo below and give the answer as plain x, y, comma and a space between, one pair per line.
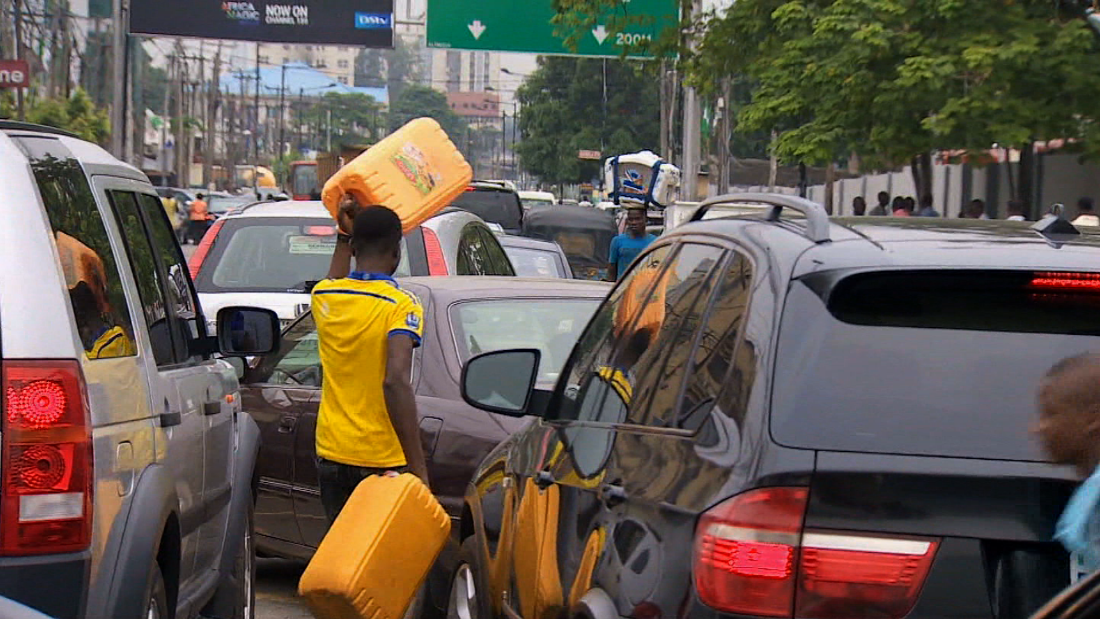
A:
501, 381
247, 331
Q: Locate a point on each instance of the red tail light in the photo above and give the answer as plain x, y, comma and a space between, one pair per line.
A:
195, 263
437, 264
1066, 282
753, 557
46, 449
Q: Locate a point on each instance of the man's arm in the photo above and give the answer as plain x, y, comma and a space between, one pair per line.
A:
401, 402
341, 256
613, 261
612, 272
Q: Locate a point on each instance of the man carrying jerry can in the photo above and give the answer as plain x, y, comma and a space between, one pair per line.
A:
367, 327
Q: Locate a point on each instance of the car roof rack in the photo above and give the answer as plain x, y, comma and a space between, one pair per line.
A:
15, 125
817, 220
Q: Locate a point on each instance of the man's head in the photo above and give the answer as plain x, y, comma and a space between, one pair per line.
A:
975, 209
883, 198
199, 196
859, 205
909, 204
1069, 412
376, 239
635, 221
1085, 204
1015, 207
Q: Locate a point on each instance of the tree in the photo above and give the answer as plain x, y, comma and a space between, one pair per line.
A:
419, 101
76, 114
351, 118
893, 80
565, 111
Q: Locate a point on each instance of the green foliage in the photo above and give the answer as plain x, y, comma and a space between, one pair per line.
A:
419, 101
77, 114
892, 79
355, 117
564, 112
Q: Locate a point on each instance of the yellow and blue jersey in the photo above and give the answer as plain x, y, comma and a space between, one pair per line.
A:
355, 318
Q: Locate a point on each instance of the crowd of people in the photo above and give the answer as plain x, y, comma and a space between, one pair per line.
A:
1015, 210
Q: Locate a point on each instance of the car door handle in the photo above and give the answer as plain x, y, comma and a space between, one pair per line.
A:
544, 479
211, 408
612, 495
170, 417
287, 424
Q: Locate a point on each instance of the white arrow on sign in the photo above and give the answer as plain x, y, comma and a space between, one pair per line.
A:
600, 33
476, 28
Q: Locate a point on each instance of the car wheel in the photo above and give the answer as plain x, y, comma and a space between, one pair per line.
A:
466, 600
156, 597
244, 572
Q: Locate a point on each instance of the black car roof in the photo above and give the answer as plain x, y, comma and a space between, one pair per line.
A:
896, 242
568, 216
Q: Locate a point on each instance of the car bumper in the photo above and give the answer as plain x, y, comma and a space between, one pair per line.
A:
56, 585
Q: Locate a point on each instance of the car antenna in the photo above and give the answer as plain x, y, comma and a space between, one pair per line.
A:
1054, 228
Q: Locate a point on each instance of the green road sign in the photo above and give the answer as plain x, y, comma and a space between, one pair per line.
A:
501, 25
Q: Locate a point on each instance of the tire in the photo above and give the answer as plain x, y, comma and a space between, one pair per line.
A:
466, 599
156, 596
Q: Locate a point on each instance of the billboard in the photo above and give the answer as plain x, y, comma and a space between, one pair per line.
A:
360, 23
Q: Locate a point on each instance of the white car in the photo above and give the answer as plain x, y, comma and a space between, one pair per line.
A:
271, 254
537, 198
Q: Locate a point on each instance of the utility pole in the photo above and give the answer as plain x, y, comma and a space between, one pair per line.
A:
692, 114
19, 55
119, 76
209, 127
282, 115
256, 123
724, 132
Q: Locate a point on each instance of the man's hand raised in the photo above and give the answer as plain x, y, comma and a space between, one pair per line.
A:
345, 213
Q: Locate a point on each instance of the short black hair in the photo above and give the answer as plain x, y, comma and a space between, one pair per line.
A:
883, 197
199, 196
1085, 203
376, 230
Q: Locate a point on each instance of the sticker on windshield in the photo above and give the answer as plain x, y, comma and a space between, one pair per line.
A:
312, 245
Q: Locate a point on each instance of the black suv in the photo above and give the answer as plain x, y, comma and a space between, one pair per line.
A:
495, 202
790, 417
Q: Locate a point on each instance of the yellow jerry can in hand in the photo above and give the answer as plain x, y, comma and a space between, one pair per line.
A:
378, 552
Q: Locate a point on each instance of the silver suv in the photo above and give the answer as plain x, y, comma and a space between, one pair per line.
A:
126, 468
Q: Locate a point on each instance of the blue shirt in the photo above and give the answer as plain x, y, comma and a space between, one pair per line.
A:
625, 248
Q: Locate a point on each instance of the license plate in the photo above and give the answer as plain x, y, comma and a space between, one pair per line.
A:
1077, 569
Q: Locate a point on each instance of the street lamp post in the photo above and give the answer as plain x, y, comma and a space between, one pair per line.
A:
282, 115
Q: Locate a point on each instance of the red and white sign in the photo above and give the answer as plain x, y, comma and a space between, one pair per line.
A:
14, 74
589, 154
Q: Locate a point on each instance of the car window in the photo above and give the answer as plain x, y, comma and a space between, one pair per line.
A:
276, 254
472, 259
183, 306
498, 207
84, 250
595, 387
497, 260
550, 325
655, 356
722, 366
529, 262
143, 264
298, 362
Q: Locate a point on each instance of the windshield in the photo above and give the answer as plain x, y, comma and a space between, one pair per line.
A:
282, 254
529, 202
304, 182
499, 207
923, 363
550, 325
223, 204
530, 262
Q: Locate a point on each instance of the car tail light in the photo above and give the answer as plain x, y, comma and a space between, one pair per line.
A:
46, 451
195, 263
437, 264
1066, 282
752, 557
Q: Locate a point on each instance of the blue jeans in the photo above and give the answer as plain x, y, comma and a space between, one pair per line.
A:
338, 481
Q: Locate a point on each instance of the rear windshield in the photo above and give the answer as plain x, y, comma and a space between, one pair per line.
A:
498, 207
926, 363
281, 254
534, 262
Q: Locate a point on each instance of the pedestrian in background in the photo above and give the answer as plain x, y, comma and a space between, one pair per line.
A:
199, 217
626, 246
859, 206
898, 207
1069, 427
975, 209
1016, 211
1086, 216
367, 328
883, 207
910, 205
926, 208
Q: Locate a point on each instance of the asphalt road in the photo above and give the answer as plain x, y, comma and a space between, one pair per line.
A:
276, 579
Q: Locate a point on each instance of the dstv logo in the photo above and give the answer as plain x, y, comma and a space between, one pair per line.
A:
368, 21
